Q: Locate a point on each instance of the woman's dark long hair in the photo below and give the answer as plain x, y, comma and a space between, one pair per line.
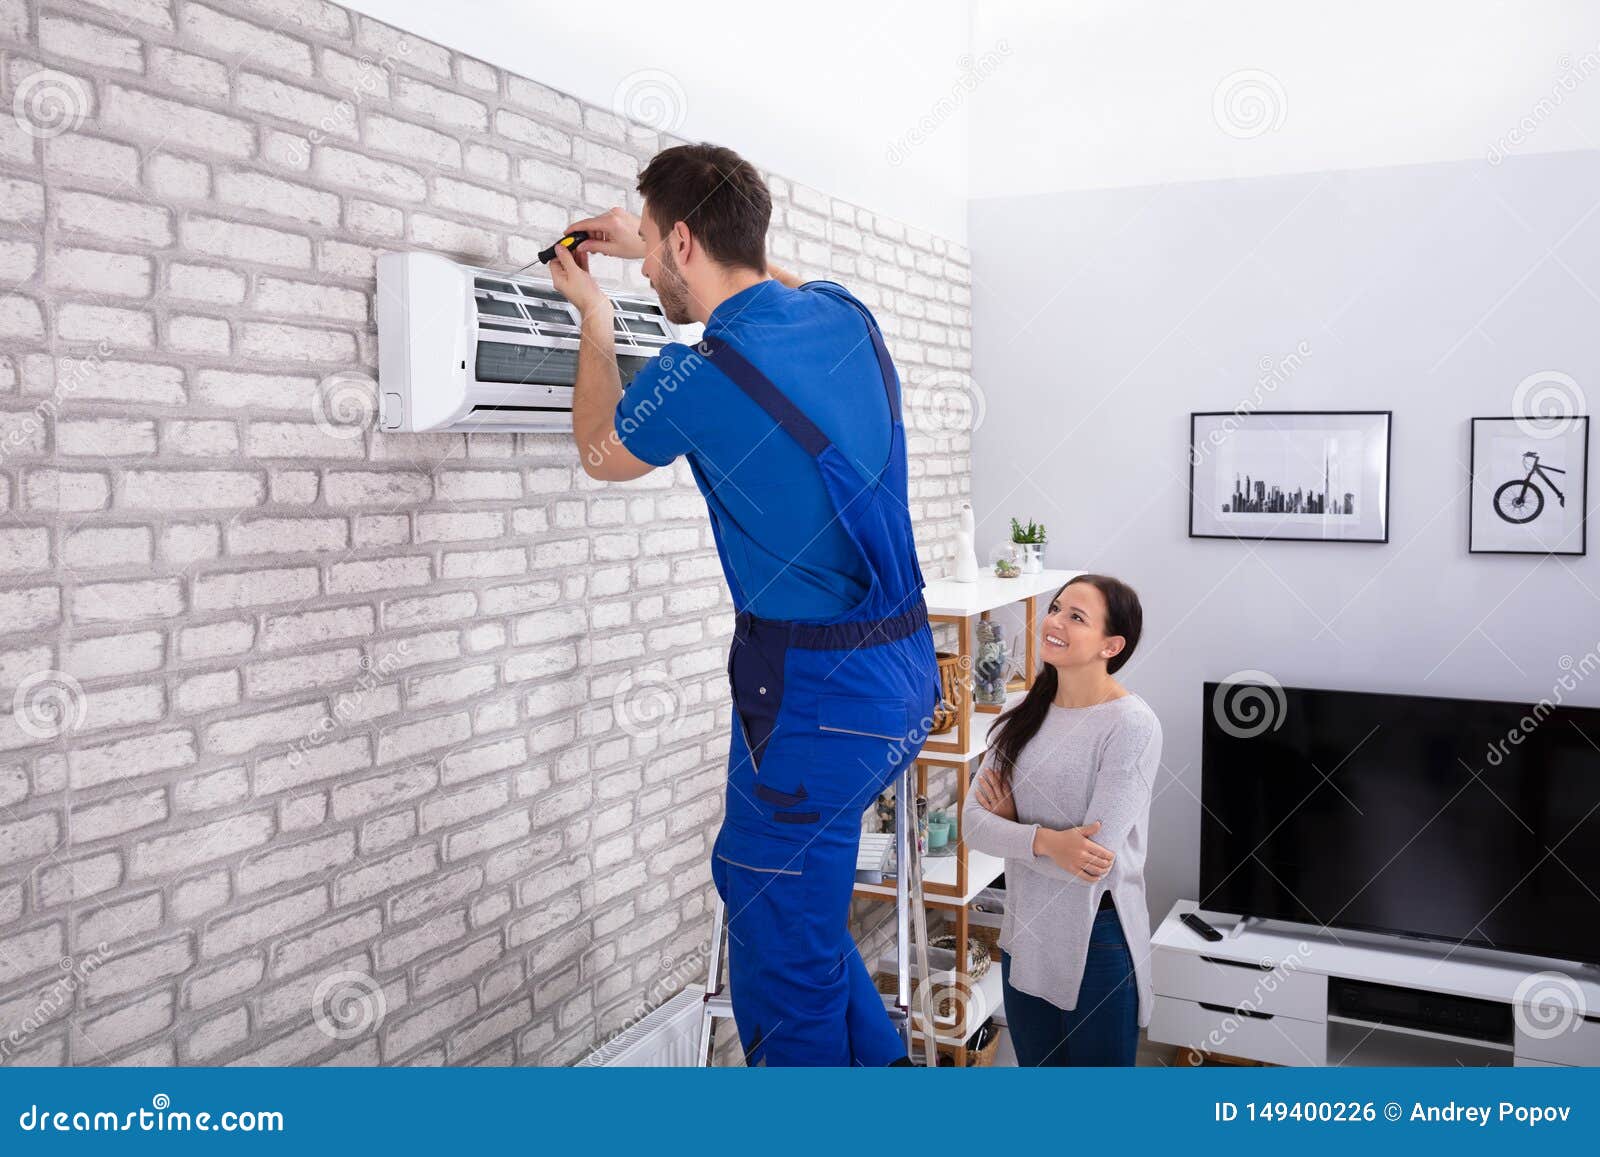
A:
1016, 727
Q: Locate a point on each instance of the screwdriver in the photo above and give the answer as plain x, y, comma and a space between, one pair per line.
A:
546, 256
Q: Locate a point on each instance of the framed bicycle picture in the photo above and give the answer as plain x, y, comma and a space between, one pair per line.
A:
1530, 485
1315, 475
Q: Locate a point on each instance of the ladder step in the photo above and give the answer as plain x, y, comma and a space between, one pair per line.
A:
721, 1005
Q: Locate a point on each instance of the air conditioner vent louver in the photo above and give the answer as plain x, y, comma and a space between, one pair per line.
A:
462, 348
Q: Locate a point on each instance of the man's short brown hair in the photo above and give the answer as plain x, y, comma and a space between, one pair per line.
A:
717, 194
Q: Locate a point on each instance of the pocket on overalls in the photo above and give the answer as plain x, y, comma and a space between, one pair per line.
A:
860, 745
755, 680
874, 718
760, 853
769, 897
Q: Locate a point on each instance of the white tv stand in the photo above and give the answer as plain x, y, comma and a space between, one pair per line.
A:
1271, 992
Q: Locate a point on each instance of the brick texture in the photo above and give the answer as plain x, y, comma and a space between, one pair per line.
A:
302, 710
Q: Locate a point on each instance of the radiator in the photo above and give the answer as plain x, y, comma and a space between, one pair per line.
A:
665, 1038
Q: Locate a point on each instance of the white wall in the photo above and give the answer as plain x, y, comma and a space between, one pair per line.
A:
821, 95
1121, 92
1164, 262
1428, 290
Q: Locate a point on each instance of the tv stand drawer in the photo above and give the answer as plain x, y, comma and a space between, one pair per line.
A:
1277, 1040
1285, 989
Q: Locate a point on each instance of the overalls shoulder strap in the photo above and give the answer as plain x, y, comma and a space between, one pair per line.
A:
779, 407
891, 380
763, 393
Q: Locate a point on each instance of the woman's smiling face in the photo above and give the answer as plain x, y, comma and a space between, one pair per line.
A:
1074, 627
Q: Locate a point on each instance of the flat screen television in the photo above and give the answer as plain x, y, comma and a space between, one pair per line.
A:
1405, 814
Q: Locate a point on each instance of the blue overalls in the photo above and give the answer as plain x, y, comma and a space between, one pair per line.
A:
825, 716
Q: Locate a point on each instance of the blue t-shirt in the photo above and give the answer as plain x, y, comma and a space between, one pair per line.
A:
790, 555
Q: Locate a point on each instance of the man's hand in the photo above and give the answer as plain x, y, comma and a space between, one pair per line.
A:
598, 386
570, 275
614, 233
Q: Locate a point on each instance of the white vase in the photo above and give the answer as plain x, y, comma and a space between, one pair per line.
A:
966, 551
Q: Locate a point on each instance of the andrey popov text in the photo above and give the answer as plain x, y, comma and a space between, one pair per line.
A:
1450, 1112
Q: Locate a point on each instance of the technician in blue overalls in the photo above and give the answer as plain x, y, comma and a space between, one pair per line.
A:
789, 414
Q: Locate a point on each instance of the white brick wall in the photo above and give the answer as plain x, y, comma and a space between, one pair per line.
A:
347, 701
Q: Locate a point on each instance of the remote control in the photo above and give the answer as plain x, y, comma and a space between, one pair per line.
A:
1200, 926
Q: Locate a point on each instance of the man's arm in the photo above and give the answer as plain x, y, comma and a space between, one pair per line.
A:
598, 388
616, 233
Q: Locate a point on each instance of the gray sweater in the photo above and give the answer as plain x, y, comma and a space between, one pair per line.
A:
1085, 764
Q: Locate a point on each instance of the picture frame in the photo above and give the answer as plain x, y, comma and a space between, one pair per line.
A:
1268, 474
1529, 485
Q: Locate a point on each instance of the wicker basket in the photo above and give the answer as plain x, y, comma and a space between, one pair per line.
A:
944, 715
983, 1058
977, 951
889, 984
987, 936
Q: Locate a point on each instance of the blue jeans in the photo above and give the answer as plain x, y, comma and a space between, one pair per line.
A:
1102, 1030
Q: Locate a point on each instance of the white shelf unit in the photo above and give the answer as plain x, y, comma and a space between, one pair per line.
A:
953, 882
982, 870
1262, 993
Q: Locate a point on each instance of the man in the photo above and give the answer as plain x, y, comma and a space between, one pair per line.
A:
788, 411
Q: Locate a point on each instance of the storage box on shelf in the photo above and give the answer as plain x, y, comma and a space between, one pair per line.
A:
952, 882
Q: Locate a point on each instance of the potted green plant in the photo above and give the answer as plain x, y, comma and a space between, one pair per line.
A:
1029, 544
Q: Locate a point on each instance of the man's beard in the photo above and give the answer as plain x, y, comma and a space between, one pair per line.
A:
672, 291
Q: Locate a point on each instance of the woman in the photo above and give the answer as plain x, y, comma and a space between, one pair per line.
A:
1065, 799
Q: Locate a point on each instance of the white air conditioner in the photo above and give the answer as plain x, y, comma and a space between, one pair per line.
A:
461, 348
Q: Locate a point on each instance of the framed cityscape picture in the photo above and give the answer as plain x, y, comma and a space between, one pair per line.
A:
1318, 475
1530, 485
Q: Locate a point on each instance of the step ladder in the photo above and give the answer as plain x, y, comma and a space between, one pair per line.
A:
911, 922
